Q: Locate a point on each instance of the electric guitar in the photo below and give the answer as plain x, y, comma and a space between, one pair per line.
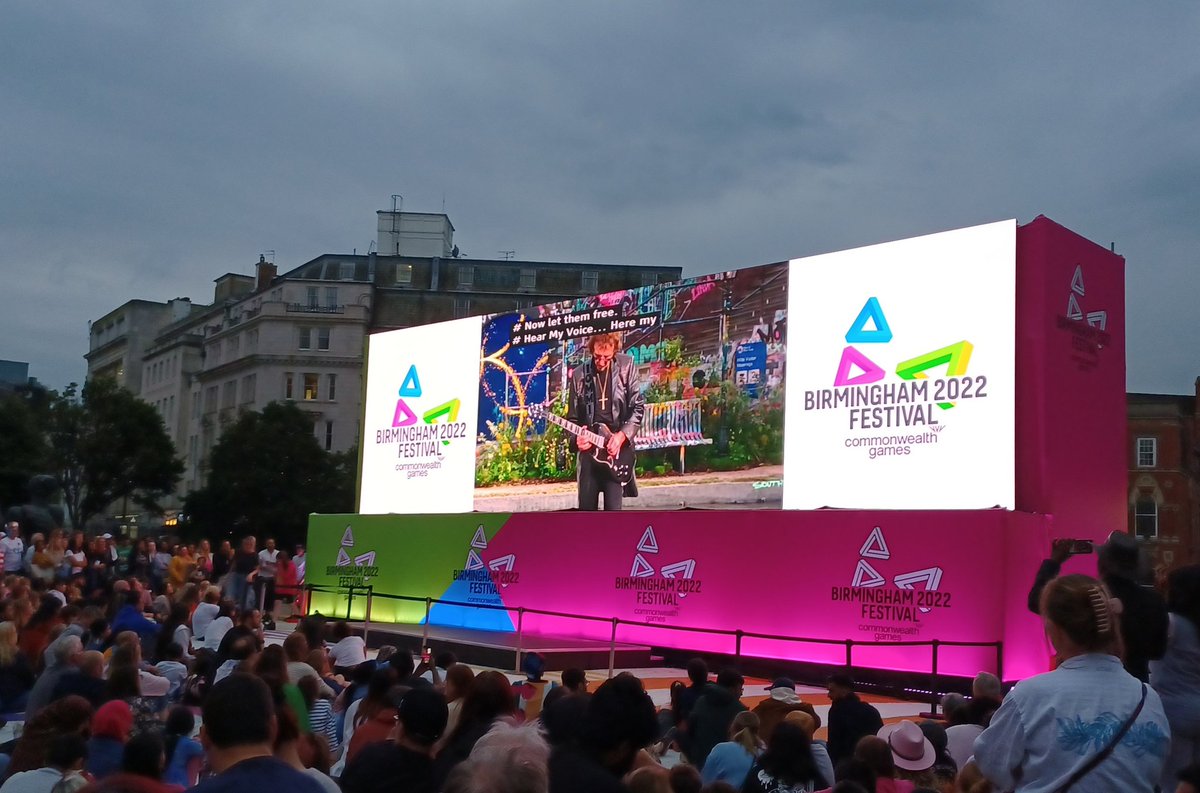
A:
597, 435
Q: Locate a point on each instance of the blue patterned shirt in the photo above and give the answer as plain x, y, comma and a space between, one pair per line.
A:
1054, 723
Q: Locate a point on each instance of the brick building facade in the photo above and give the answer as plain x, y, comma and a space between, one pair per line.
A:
1164, 476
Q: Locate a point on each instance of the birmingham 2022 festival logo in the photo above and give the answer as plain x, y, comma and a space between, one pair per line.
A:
890, 612
910, 410
420, 438
659, 590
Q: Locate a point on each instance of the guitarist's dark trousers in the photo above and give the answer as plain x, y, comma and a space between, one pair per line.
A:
596, 478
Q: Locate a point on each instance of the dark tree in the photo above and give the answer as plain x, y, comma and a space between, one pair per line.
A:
110, 447
266, 474
23, 448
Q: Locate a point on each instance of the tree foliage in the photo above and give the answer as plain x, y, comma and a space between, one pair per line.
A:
266, 474
23, 447
111, 447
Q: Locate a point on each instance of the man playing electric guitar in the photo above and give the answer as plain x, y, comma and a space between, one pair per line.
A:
605, 391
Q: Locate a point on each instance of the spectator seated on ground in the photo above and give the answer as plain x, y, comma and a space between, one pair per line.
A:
781, 701
66, 656
295, 647
730, 760
406, 761
237, 732
173, 668
62, 772
88, 683
16, 675
618, 723
130, 618
111, 727
712, 714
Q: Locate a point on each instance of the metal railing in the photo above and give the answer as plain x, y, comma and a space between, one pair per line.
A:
935, 645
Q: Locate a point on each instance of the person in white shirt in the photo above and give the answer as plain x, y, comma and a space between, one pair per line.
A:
217, 629
348, 652
268, 557
204, 615
13, 547
62, 772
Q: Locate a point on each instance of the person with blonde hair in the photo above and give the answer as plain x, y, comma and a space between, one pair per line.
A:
16, 675
730, 761
1089, 725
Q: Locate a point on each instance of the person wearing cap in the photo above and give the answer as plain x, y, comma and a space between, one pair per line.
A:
849, 718
1143, 616
405, 762
782, 701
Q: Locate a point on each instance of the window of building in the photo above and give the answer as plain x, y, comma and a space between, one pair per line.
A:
312, 296
311, 386
322, 338
232, 345
276, 295
214, 354
196, 405
331, 387
331, 297
1147, 452
288, 381
404, 274
328, 435
466, 276
210, 399
229, 394
1145, 519
252, 340
171, 408
347, 271
249, 385
649, 279
306, 338
462, 307
528, 278
590, 281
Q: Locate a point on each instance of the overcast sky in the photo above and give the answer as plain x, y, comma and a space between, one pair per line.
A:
148, 147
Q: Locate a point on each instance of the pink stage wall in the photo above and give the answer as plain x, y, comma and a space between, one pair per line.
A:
825, 575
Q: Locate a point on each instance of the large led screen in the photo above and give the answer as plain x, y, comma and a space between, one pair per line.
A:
899, 392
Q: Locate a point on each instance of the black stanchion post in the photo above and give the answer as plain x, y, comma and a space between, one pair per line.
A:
367, 616
612, 650
849, 655
425, 634
737, 644
520, 635
1000, 661
934, 696
349, 602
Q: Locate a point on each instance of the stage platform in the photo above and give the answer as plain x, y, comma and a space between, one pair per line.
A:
499, 649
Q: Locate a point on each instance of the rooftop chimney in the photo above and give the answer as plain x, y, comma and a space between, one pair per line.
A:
265, 274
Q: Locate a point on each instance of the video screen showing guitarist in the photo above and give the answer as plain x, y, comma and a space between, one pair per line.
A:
605, 395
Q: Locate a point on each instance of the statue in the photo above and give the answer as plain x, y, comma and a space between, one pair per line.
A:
39, 515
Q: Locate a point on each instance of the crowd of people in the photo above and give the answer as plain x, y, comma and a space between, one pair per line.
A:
145, 668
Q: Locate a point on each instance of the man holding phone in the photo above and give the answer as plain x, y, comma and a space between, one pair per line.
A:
1143, 616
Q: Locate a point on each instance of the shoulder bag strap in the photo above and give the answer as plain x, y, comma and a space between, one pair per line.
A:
1103, 754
